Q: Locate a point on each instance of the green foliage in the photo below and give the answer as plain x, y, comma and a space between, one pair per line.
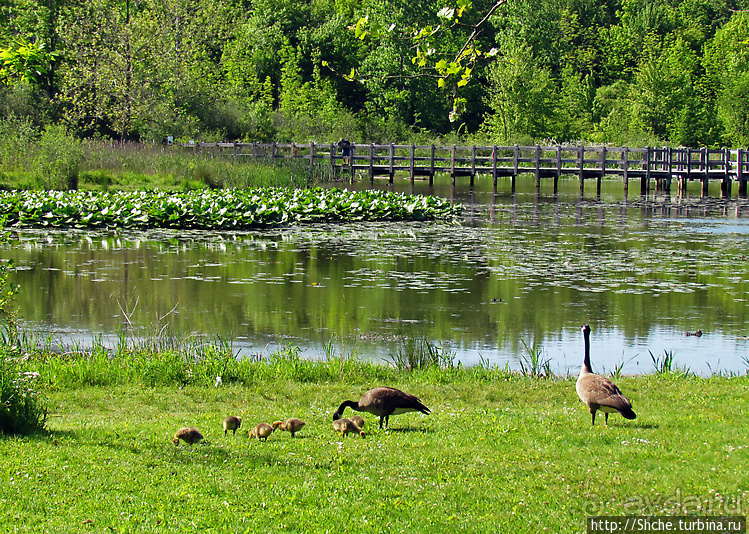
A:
57, 159
667, 71
420, 353
215, 209
24, 62
22, 408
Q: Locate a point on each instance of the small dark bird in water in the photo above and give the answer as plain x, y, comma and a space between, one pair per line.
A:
347, 426
698, 333
188, 435
292, 425
232, 423
383, 402
261, 431
598, 392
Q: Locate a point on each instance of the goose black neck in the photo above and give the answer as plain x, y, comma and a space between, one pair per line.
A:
350, 404
586, 361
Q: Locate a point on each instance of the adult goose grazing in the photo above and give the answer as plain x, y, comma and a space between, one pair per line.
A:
383, 402
598, 392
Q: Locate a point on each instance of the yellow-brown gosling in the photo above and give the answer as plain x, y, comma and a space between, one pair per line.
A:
358, 420
232, 423
261, 431
383, 402
292, 425
598, 392
188, 435
346, 426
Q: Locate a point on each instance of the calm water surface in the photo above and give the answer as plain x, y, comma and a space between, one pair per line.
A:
517, 270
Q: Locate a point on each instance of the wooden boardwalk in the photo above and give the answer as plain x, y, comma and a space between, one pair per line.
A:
650, 166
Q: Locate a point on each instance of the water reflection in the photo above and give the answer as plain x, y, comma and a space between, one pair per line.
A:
518, 269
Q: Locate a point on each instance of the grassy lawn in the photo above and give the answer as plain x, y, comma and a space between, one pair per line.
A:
512, 455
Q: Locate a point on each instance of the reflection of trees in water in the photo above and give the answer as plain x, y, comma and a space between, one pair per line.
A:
537, 270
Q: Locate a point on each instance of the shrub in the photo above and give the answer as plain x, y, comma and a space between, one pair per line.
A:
58, 157
22, 408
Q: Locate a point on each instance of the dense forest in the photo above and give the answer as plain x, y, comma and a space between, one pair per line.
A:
633, 72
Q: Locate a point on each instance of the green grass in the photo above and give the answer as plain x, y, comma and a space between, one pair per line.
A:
499, 453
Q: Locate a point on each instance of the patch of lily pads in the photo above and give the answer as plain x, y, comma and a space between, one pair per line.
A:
224, 209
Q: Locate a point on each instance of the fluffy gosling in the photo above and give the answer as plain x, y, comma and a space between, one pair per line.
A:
292, 425
358, 420
346, 426
188, 435
232, 423
261, 431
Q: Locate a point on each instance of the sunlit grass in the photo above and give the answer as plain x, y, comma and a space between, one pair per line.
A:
512, 454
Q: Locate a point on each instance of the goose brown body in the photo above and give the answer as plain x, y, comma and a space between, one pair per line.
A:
189, 435
383, 402
261, 431
292, 425
232, 423
347, 426
598, 392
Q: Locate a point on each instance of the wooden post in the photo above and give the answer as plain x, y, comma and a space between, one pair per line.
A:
392, 162
473, 164
537, 165
725, 187
645, 181
603, 171
431, 171
740, 175
516, 163
452, 164
625, 172
494, 167
352, 162
559, 169
580, 168
371, 163
413, 158
312, 155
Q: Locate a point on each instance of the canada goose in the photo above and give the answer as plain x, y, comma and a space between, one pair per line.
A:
292, 425
261, 431
346, 426
232, 423
383, 402
598, 392
188, 435
358, 420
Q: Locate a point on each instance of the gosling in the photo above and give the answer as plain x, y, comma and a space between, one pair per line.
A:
232, 423
346, 426
188, 435
292, 425
261, 431
358, 420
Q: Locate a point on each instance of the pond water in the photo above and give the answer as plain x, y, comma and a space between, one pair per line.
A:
517, 270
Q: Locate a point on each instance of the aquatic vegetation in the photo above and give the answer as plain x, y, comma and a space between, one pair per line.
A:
215, 209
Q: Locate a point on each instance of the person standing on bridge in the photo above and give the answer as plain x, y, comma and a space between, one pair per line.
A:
345, 146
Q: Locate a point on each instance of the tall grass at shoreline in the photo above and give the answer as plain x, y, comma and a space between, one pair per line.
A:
58, 161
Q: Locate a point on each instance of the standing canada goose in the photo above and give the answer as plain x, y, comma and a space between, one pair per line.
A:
261, 431
232, 423
292, 425
383, 402
347, 426
188, 435
358, 420
598, 392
